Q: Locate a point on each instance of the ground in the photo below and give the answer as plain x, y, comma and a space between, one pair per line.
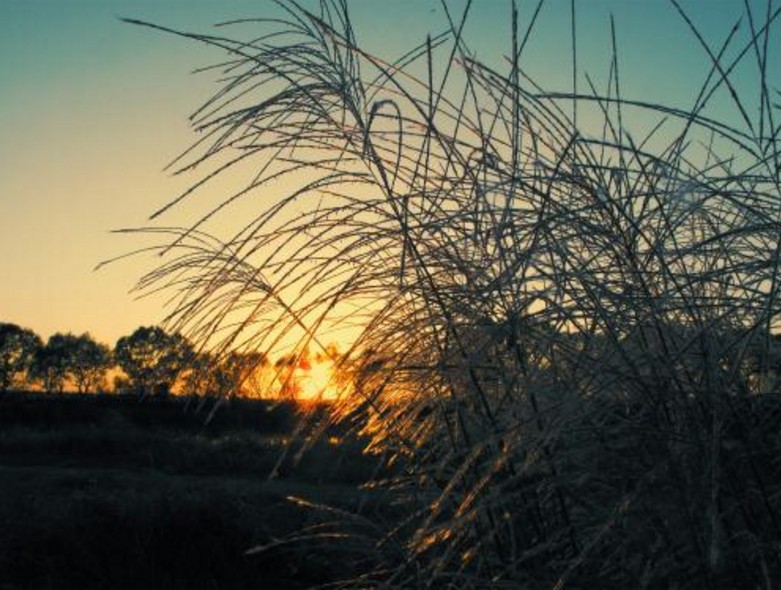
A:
110, 492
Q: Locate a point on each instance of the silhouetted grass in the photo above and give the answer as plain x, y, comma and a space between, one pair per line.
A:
568, 345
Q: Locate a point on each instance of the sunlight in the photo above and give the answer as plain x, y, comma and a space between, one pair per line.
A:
316, 380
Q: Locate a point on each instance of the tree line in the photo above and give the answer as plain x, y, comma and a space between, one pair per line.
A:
152, 362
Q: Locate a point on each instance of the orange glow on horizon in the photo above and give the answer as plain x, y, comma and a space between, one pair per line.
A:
316, 377
304, 376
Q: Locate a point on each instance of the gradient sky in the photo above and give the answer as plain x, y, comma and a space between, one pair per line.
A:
92, 109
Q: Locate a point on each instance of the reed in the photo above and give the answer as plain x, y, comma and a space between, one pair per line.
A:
566, 340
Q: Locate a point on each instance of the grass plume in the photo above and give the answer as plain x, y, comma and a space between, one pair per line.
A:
567, 339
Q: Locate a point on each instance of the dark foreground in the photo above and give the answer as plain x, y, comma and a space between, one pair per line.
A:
107, 492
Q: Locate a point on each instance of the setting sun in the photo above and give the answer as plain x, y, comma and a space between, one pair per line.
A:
310, 377
318, 382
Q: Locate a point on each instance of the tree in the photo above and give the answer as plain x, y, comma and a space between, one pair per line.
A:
52, 362
234, 374
69, 357
197, 377
88, 363
255, 378
153, 359
17, 353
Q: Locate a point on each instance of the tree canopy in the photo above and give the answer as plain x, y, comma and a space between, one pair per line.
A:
89, 362
52, 362
153, 359
79, 359
17, 353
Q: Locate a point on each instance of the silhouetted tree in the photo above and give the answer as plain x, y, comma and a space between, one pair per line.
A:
197, 377
17, 353
67, 356
153, 359
53, 361
235, 371
89, 362
255, 378
121, 384
236, 374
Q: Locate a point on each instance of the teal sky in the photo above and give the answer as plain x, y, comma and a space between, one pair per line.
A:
92, 109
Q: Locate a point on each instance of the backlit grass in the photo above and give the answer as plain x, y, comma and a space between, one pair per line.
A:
567, 336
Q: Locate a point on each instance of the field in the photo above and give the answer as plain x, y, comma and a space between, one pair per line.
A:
550, 304
110, 492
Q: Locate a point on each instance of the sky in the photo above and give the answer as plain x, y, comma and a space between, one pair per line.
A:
92, 109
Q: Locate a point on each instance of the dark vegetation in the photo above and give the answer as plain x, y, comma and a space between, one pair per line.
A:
107, 492
569, 299
150, 361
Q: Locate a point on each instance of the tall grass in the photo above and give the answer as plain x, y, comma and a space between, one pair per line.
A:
566, 338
